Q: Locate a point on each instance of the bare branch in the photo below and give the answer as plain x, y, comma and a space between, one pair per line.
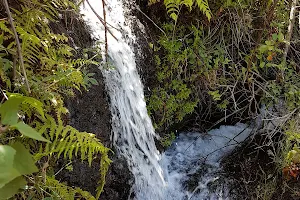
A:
289, 33
151, 20
105, 32
101, 20
19, 49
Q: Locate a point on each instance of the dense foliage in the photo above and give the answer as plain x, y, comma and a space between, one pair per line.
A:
217, 61
38, 70
238, 63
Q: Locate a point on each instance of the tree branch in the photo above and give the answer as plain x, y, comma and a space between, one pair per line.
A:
19, 49
101, 20
289, 33
105, 27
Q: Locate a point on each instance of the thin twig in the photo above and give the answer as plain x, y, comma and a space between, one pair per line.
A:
19, 49
44, 170
82, 1
101, 20
105, 30
14, 68
151, 20
5, 96
289, 33
69, 163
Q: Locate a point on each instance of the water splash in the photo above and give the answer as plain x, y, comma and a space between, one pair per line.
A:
192, 164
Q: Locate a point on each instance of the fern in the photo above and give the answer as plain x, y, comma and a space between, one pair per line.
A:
4, 28
29, 105
69, 142
204, 7
173, 7
53, 73
62, 191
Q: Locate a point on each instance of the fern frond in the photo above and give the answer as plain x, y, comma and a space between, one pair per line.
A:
69, 142
4, 28
204, 7
28, 104
62, 191
52, 72
173, 7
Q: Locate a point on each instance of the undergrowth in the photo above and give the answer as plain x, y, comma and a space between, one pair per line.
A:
38, 70
240, 63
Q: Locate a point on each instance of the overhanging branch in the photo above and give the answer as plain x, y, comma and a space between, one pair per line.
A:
19, 49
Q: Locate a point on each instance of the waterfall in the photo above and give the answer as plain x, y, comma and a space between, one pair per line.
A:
157, 177
133, 133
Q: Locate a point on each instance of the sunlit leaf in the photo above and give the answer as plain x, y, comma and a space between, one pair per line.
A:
7, 171
23, 161
9, 111
11, 188
29, 132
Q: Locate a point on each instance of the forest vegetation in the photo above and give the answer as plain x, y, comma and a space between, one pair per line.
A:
39, 70
216, 62
227, 61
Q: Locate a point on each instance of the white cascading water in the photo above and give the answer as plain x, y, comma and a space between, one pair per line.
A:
157, 177
133, 133
192, 164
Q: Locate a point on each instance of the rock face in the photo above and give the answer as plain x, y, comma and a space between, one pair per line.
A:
145, 34
89, 111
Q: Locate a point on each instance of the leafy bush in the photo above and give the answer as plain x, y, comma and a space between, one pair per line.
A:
231, 68
32, 132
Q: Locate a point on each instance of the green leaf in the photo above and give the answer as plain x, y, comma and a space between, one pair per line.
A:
174, 16
29, 132
9, 111
90, 74
23, 161
189, 3
93, 81
7, 171
1, 38
215, 95
262, 64
280, 37
263, 48
269, 43
11, 188
34, 103
274, 36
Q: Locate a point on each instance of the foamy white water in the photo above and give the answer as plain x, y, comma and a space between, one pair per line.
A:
133, 135
196, 160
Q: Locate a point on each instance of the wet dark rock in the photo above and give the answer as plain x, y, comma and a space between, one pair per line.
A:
89, 111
